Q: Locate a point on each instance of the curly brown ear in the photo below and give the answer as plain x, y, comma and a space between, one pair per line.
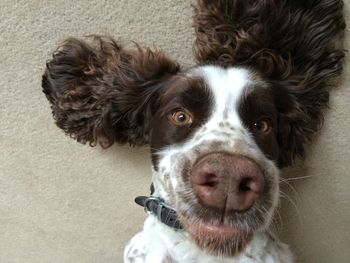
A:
104, 93
292, 43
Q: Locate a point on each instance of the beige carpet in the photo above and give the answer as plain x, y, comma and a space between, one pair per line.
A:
64, 202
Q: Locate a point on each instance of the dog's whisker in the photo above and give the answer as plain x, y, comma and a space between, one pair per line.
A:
294, 205
292, 188
297, 178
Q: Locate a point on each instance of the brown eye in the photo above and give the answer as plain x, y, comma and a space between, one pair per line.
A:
263, 126
181, 118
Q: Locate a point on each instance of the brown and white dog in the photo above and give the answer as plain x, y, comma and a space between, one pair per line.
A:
219, 132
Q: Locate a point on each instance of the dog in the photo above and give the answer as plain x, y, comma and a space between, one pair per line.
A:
219, 132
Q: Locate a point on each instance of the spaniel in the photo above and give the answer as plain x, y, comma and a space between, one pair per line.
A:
219, 132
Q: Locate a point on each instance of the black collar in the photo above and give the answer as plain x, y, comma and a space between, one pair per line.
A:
160, 209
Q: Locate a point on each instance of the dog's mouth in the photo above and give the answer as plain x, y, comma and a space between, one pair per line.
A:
221, 232
219, 239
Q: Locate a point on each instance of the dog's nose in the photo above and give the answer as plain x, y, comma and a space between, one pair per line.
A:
227, 182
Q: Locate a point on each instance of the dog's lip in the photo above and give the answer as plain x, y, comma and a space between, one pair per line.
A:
221, 229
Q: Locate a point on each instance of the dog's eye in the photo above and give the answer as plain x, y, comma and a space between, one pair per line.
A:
263, 126
181, 118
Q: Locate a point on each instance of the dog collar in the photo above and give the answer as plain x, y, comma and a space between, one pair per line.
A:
156, 206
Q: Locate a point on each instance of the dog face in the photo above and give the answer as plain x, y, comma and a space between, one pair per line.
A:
214, 148
218, 132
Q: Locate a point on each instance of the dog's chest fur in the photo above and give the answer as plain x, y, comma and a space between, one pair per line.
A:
157, 243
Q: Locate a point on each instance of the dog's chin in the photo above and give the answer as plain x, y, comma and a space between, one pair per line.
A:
217, 239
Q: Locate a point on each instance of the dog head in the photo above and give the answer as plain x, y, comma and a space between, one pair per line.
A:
214, 142
220, 131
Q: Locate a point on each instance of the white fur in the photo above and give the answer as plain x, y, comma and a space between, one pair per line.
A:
157, 241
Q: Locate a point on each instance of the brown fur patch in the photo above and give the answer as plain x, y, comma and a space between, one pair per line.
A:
190, 94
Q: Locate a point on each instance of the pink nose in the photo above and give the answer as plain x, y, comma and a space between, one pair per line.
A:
227, 182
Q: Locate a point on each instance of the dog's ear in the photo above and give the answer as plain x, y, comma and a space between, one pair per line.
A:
292, 44
103, 93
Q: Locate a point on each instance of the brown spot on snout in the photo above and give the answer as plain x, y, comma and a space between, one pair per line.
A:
227, 182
